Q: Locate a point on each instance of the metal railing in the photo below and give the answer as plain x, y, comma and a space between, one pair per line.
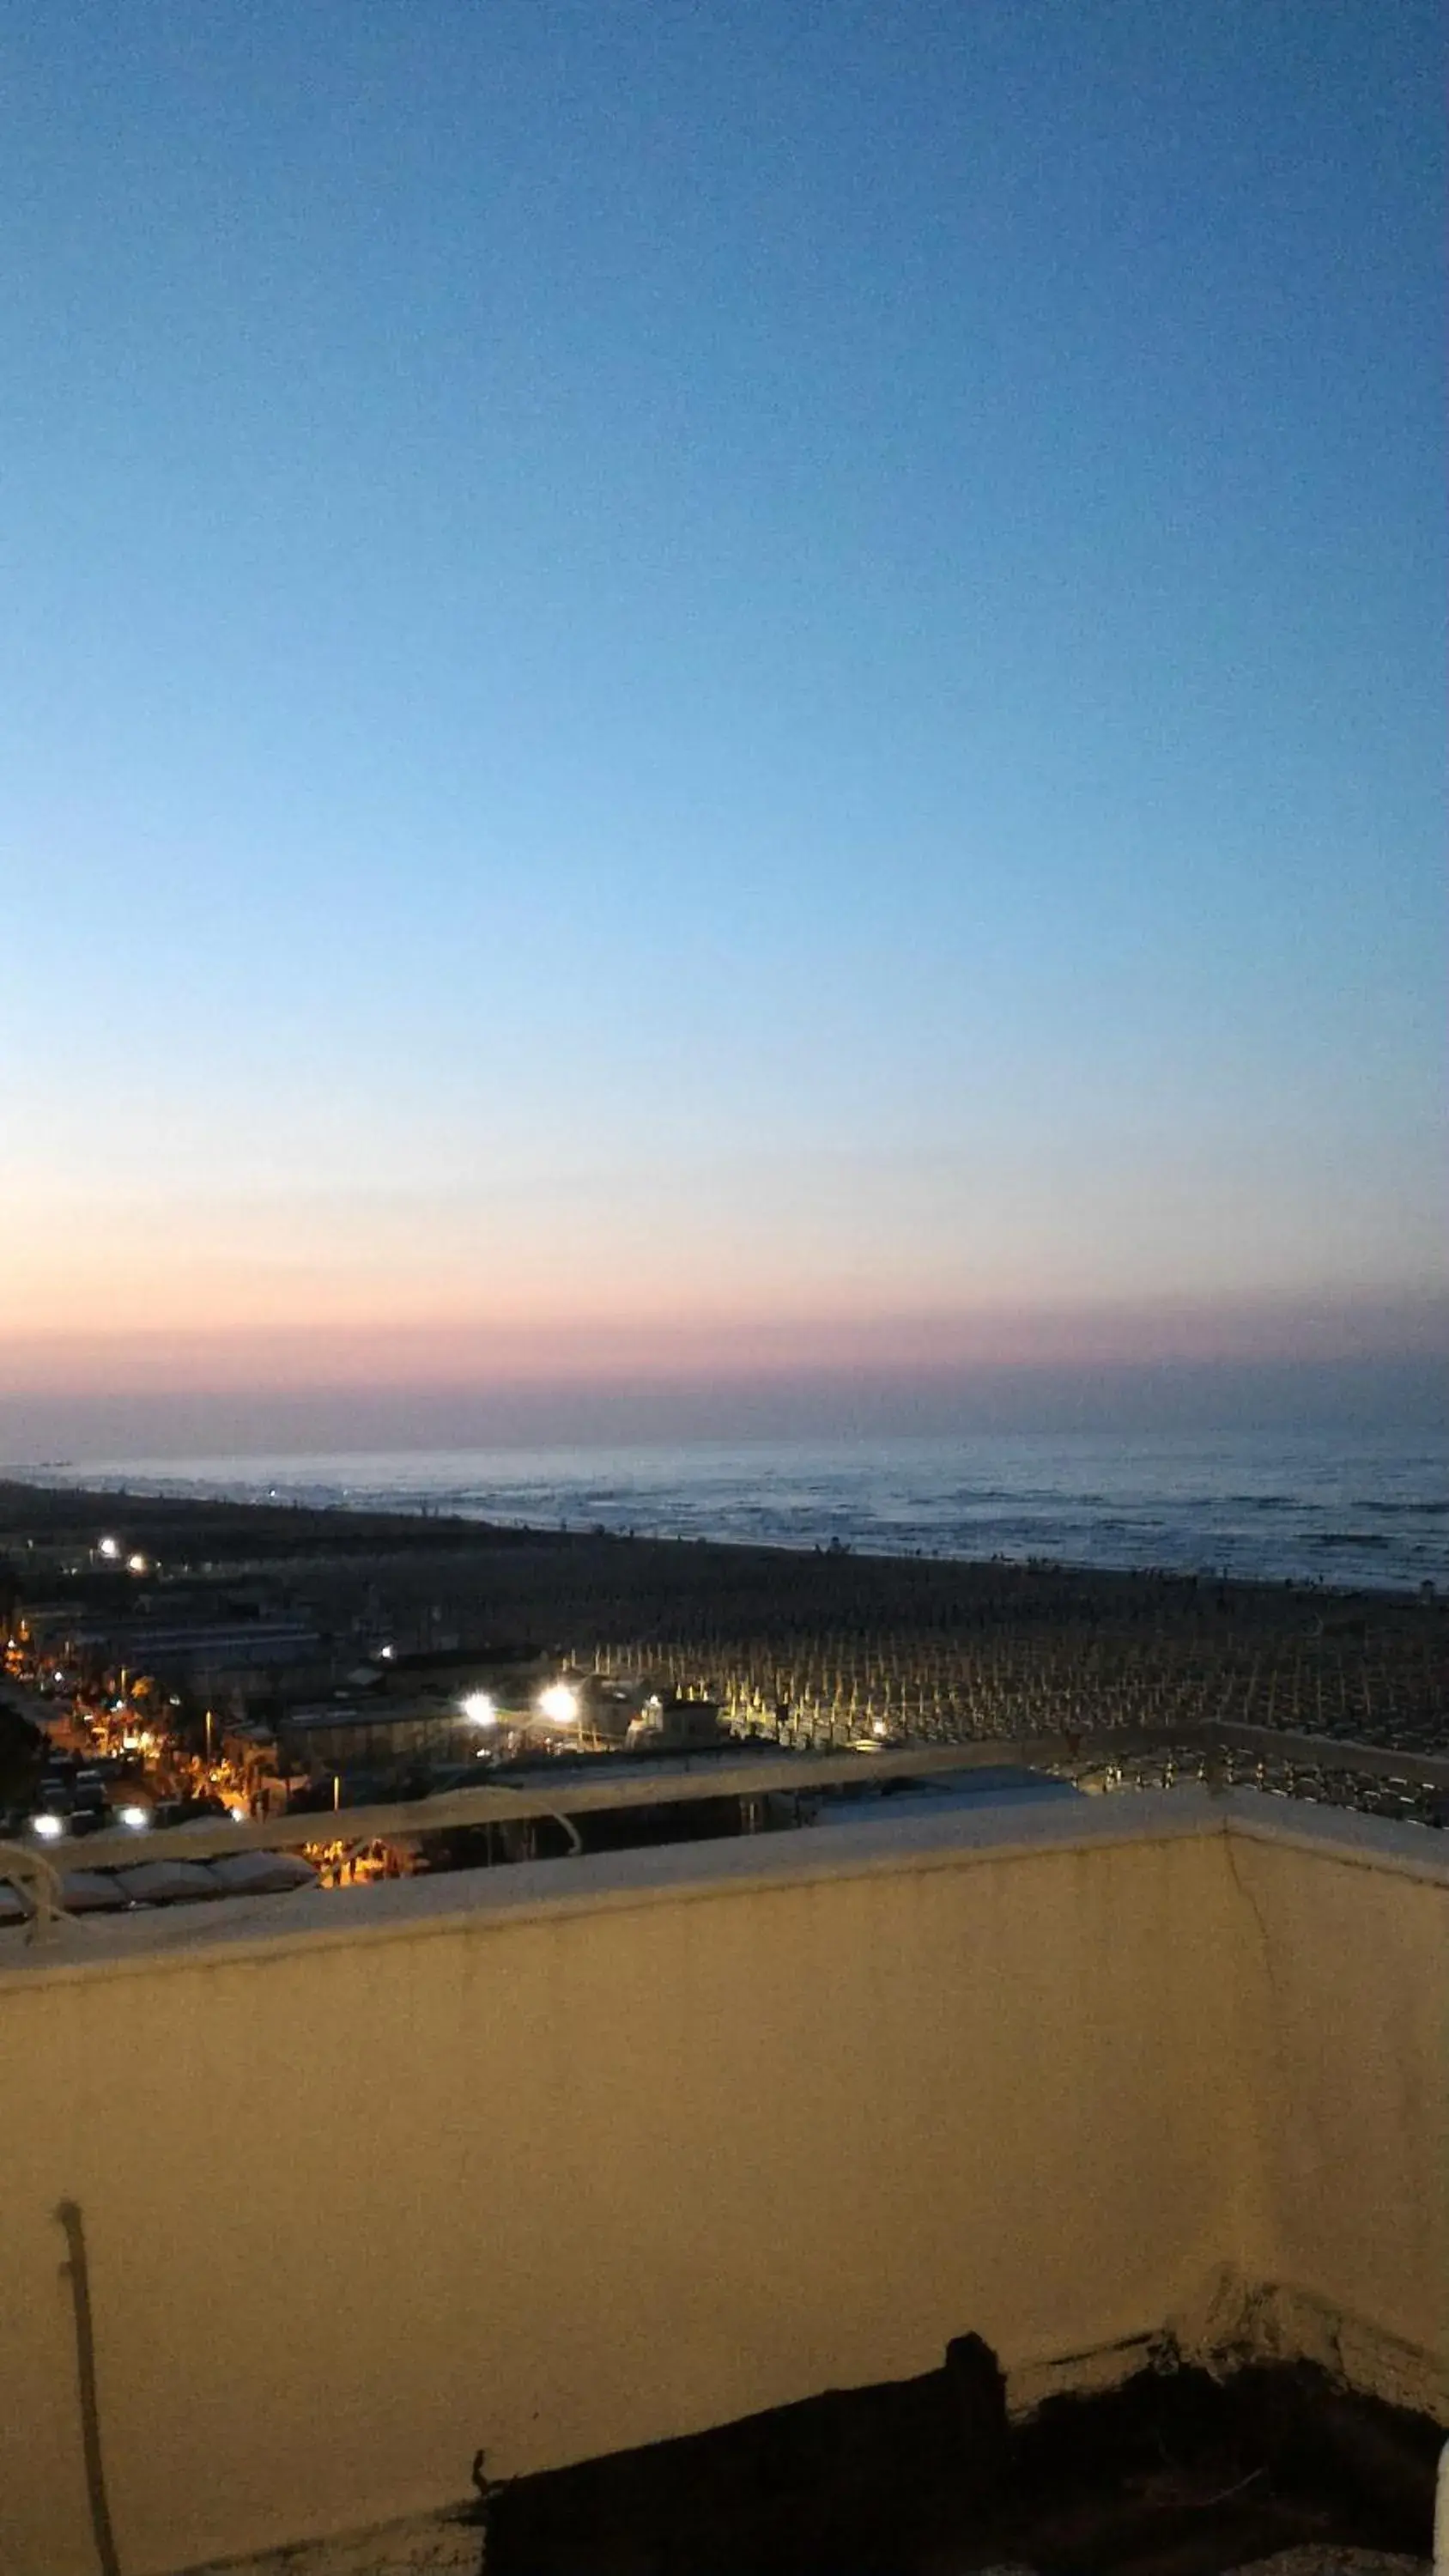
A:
744, 1774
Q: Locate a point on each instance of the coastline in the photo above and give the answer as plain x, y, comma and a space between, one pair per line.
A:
814, 1649
342, 1527
1337, 1511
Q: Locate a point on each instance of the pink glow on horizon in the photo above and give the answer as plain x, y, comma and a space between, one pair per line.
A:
705, 1348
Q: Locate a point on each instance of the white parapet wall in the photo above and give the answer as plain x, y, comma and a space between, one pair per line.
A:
551, 2161
1345, 2003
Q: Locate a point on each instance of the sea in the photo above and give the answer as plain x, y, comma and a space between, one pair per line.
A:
1360, 1510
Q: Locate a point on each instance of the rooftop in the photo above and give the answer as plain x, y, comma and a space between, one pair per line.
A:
586, 2164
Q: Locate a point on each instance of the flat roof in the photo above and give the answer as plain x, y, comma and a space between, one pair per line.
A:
984, 1785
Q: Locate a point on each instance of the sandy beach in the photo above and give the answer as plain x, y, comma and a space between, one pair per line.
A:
939, 1650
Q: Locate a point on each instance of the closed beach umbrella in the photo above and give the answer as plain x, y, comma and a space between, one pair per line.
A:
91, 1891
262, 1873
168, 1882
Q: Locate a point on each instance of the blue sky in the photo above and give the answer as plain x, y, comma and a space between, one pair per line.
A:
707, 679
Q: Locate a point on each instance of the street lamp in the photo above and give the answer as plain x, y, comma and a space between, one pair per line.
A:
480, 1708
559, 1704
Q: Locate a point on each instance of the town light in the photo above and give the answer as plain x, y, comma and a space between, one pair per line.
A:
559, 1703
137, 1565
479, 1709
109, 1547
49, 1828
137, 1818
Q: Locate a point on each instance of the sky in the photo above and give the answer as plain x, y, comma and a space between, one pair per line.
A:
705, 703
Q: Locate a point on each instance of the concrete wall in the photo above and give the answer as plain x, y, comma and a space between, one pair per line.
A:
621, 2148
1346, 1995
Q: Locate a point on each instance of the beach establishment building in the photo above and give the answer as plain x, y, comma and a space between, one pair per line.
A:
312, 2199
511, 1671
399, 1711
254, 1651
379, 1735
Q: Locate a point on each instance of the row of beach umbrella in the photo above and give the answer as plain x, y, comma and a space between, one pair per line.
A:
170, 1882
950, 1691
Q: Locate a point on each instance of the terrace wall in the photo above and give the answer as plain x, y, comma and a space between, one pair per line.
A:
556, 2160
1346, 1998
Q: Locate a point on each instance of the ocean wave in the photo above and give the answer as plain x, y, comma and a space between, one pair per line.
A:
1319, 1510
